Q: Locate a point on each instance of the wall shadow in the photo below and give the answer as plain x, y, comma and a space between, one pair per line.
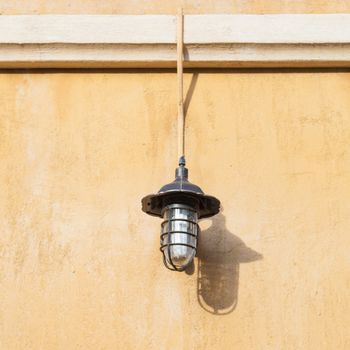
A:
190, 92
219, 254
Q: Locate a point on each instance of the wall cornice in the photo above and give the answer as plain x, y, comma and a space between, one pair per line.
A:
140, 41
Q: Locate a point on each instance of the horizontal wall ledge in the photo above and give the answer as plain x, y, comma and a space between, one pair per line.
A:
104, 41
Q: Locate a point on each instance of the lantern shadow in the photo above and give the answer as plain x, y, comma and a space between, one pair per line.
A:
219, 254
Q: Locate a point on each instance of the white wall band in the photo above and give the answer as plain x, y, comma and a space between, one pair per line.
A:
112, 41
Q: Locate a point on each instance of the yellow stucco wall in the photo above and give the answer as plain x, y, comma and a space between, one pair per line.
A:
170, 6
79, 261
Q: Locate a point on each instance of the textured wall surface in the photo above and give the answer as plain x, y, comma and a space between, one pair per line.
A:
79, 262
170, 6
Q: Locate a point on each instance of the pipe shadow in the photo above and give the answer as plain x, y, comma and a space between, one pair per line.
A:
219, 254
190, 92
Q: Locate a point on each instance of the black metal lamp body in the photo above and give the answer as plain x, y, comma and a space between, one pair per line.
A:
181, 204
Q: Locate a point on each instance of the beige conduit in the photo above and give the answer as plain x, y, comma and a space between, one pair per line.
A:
180, 107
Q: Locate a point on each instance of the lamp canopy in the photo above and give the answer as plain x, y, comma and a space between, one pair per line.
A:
181, 191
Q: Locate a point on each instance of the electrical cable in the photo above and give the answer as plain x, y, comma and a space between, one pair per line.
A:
180, 107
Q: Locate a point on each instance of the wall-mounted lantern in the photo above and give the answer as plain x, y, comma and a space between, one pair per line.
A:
180, 203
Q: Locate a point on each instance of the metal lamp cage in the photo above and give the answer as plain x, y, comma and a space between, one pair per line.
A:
179, 236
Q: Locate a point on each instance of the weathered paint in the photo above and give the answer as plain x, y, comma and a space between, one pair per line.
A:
170, 7
79, 262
